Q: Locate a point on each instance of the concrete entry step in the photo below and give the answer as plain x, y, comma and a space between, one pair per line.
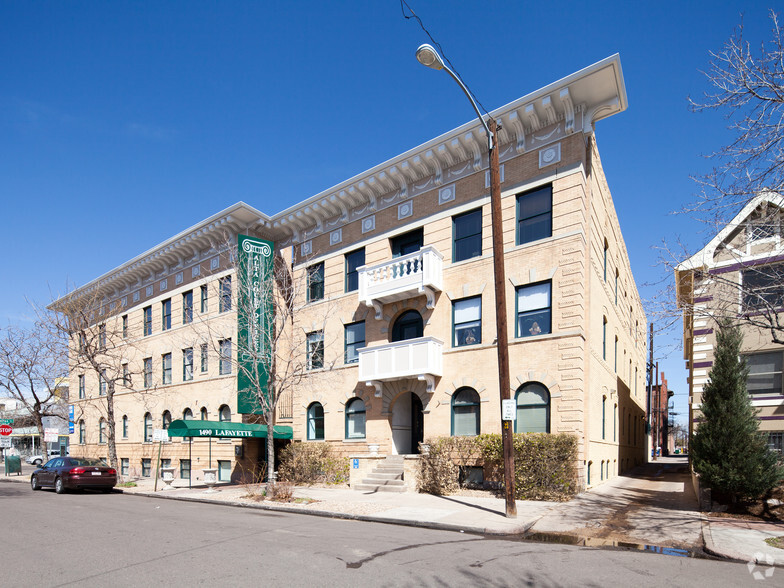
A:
387, 476
382, 488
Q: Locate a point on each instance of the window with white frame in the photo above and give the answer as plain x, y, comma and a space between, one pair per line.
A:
533, 310
315, 350
224, 365
765, 371
467, 321
355, 419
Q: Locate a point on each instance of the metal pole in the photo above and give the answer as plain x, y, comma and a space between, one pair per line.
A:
190, 460
650, 385
500, 320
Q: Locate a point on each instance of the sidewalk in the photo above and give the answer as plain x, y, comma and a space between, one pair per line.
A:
651, 508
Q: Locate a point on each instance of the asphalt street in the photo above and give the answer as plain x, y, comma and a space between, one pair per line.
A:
93, 539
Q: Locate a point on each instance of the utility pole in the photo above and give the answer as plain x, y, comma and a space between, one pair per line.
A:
650, 386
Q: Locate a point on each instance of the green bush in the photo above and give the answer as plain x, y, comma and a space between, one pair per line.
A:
544, 464
312, 463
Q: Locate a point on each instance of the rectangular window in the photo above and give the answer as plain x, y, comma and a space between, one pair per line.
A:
224, 365
604, 339
166, 365
126, 375
125, 427
354, 260
763, 287
224, 470
535, 215
776, 441
316, 282
187, 364
187, 307
81, 386
533, 310
125, 465
147, 320
615, 366
315, 350
166, 314
185, 469
102, 383
616, 287
467, 235
467, 321
224, 300
355, 339
204, 299
102, 337
764, 373
125, 326
148, 372
146, 467
407, 242
204, 356
165, 463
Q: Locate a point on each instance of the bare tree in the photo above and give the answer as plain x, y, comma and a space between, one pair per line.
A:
97, 341
280, 344
748, 89
32, 369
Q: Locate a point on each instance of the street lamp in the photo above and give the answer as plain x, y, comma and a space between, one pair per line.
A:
428, 56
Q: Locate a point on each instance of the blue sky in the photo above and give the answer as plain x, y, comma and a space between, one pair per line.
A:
123, 123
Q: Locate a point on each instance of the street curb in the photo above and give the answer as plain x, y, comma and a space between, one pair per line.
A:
710, 547
345, 516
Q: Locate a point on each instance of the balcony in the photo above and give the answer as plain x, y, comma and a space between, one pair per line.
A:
401, 278
419, 358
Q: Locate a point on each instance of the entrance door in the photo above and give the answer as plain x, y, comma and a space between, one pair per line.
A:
407, 423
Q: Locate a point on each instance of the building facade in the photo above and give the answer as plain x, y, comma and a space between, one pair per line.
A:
397, 318
738, 275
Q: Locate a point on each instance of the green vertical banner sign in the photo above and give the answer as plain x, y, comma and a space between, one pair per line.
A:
254, 322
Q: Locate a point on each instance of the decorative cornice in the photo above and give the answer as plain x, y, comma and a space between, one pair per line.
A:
541, 117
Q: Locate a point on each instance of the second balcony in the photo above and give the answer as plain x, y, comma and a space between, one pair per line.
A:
400, 278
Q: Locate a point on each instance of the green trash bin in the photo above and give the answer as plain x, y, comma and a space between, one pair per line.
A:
13, 465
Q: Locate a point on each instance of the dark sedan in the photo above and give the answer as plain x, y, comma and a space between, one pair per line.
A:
64, 473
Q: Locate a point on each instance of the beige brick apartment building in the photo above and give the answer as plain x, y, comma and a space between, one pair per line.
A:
738, 274
398, 314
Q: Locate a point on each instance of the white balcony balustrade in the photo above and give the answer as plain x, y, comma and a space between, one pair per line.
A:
420, 358
403, 277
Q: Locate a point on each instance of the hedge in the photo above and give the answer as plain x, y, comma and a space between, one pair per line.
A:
544, 464
312, 463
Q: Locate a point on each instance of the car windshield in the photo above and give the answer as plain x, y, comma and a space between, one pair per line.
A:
87, 461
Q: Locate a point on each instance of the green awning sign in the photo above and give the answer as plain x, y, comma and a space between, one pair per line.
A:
254, 322
190, 428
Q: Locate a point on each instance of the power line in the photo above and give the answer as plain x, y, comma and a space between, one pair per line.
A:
403, 6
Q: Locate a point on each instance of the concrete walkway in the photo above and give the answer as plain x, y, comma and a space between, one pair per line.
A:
651, 508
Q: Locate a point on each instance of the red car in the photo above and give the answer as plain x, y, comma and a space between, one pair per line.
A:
64, 473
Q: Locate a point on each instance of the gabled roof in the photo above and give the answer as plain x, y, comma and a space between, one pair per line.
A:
704, 257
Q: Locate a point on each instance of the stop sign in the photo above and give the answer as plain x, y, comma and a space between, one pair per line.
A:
5, 430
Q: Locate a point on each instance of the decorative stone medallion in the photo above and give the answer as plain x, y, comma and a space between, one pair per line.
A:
549, 155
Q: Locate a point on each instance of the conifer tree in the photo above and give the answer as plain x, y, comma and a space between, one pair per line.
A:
728, 451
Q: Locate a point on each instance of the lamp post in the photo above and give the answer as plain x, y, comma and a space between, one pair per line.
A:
428, 56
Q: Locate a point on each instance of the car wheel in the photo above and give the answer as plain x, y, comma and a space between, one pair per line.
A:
59, 487
37, 462
34, 483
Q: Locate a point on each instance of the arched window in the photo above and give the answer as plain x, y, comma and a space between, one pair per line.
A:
465, 412
187, 414
203, 414
315, 422
224, 414
166, 419
125, 426
102, 431
533, 409
81, 432
408, 325
355, 419
147, 427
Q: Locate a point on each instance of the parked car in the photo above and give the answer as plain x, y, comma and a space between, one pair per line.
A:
39, 459
74, 473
